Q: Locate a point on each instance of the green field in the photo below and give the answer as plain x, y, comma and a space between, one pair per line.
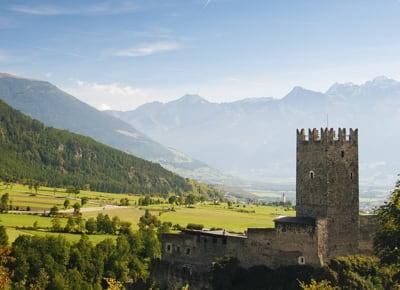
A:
46, 197
231, 219
236, 218
224, 217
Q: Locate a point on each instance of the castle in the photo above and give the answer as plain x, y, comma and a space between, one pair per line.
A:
327, 222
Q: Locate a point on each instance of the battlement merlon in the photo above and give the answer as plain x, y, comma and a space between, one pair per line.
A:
327, 135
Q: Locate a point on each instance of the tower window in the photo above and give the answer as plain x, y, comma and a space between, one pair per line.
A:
301, 260
351, 175
168, 248
342, 153
187, 251
311, 174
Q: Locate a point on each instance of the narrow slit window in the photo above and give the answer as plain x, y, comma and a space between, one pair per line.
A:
351, 175
301, 260
342, 153
312, 174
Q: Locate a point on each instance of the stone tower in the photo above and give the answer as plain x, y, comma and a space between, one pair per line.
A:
327, 186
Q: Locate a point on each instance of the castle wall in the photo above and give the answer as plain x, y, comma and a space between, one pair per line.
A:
287, 244
198, 250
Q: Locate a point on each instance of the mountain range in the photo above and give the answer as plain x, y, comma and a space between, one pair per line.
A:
255, 138
45, 102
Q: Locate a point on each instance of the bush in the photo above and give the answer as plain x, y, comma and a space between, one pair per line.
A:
192, 226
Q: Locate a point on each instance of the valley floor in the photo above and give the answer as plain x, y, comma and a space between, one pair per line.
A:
234, 218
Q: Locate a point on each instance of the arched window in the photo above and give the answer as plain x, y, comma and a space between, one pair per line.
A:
301, 260
311, 174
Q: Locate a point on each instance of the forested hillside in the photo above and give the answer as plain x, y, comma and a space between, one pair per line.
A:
31, 151
55, 108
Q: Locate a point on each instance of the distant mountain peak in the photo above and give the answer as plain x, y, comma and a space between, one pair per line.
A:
298, 91
192, 99
341, 87
381, 81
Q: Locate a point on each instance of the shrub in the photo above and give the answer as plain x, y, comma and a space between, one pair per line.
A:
192, 226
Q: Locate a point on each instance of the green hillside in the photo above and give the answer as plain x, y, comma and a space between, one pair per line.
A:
58, 158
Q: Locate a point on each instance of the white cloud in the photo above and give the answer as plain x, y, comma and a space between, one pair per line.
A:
108, 7
110, 96
149, 49
104, 107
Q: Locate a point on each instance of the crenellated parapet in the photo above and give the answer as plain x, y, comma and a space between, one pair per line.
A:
327, 135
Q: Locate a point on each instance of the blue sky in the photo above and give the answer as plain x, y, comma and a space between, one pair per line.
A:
120, 54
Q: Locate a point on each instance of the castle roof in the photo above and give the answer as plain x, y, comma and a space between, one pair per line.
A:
295, 220
213, 233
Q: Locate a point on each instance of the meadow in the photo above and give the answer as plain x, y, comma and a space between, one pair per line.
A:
235, 218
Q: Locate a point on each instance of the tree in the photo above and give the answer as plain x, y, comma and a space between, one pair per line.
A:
70, 226
42, 280
3, 236
58, 282
53, 211
84, 200
387, 237
148, 234
115, 224
56, 224
36, 186
148, 220
5, 258
4, 203
321, 285
124, 201
79, 224
125, 228
72, 189
66, 203
172, 199
91, 226
190, 199
77, 208
104, 224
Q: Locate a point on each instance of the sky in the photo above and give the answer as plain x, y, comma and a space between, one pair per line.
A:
123, 53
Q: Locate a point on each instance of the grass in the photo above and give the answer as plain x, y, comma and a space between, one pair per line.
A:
26, 220
11, 221
232, 219
236, 219
46, 197
224, 217
131, 214
14, 233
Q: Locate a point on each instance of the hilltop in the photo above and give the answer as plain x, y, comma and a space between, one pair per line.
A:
31, 151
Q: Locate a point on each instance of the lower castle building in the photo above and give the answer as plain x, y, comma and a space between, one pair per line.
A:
327, 222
